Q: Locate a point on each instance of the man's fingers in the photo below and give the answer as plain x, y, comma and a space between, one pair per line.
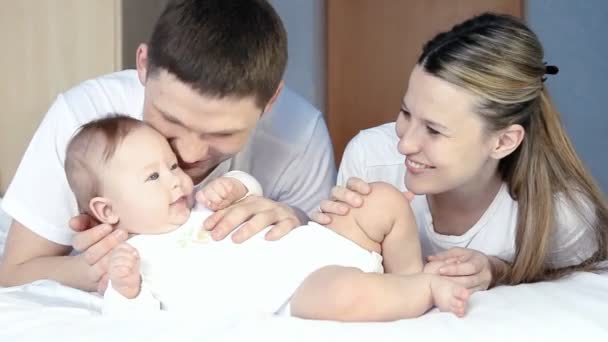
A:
211, 221
281, 229
230, 220
103, 247
82, 222
85, 239
257, 222
359, 186
237, 214
99, 270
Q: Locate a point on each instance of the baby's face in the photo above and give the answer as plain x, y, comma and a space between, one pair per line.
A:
148, 191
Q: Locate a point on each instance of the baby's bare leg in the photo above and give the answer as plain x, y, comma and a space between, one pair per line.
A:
348, 294
384, 224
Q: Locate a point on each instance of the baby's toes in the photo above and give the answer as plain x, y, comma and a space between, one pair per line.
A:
461, 293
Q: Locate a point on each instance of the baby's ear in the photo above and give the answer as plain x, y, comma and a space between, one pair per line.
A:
101, 208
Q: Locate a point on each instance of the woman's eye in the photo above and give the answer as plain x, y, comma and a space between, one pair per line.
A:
405, 114
152, 177
174, 166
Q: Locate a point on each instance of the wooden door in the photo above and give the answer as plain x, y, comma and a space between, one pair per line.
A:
372, 46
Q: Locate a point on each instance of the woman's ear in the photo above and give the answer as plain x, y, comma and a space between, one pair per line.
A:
101, 208
507, 141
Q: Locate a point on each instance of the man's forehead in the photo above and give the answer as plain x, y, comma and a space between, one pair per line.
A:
209, 117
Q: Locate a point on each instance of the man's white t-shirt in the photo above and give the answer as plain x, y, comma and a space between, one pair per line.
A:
289, 153
372, 155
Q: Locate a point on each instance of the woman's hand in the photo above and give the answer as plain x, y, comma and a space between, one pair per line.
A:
342, 200
345, 198
468, 267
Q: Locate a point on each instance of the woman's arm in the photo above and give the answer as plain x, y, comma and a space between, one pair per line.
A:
500, 270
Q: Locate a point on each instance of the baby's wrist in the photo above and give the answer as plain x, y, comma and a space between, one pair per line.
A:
250, 185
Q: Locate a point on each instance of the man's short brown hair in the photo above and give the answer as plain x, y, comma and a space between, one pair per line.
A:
221, 48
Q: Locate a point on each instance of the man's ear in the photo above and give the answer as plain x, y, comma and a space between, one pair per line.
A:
507, 141
101, 208
274, 98
141, 60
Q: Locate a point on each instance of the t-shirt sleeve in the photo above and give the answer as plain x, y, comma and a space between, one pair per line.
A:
311, 176
574, 239
353, 161
39, 196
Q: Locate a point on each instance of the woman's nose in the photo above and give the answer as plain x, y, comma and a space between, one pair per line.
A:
409, 142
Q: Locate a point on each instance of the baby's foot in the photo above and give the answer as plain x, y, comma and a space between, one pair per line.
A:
449, 296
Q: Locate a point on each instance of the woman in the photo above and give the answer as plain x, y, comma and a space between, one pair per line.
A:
502, 196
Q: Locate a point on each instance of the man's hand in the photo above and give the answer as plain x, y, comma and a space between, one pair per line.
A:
95, 241
253, 214
470, 268
124, 272
221, 193
345, 198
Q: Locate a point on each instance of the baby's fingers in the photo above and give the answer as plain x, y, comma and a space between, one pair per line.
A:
120, 271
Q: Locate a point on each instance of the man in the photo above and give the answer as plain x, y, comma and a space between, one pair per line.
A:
210, 81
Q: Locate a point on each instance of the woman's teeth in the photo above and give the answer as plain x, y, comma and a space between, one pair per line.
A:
417, 165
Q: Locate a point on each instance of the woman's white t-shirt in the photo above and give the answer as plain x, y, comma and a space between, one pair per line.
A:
372, 156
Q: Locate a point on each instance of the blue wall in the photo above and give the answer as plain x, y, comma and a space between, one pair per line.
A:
575, 37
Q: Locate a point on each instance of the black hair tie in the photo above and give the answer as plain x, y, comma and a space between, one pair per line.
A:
550, 70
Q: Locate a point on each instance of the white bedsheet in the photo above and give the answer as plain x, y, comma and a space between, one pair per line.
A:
572, 308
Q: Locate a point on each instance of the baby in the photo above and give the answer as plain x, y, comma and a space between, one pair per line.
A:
124, 173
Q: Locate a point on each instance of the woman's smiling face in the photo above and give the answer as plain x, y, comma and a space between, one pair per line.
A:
443, 139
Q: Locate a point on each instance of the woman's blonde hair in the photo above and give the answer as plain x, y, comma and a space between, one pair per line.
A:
500, 59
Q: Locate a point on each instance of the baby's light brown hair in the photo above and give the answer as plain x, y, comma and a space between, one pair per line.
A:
90, 149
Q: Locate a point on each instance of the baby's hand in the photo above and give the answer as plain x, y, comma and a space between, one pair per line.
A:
123, 270
221, 193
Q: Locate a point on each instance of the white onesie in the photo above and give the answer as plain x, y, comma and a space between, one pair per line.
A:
186, 272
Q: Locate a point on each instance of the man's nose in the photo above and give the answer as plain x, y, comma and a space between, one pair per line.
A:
190, 149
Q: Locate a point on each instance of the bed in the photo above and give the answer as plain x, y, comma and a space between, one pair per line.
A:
571, 308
